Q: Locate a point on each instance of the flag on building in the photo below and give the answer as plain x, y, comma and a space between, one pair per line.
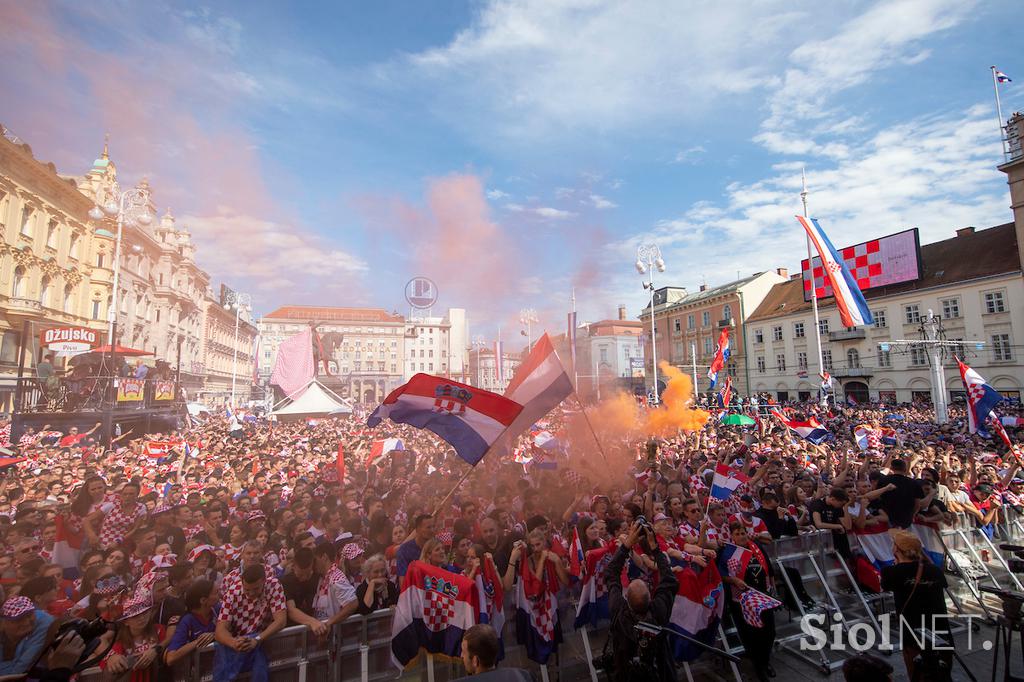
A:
696, 610
981, 401
853, 309
540, 384
810, 429
593, 605
722, 354
467, 418
725, 482
754, 603
1002, 77
434, 610
380, 449
294, 368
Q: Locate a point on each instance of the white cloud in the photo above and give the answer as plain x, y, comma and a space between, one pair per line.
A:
690, 155
541, 211
496, 194
600, 202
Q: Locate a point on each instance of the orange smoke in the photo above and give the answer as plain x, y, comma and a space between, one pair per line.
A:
675, 412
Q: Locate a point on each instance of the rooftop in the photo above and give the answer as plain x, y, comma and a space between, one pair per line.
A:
712, 292
330, 314
968, 256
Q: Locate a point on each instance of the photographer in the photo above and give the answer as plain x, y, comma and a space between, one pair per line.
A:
633, 655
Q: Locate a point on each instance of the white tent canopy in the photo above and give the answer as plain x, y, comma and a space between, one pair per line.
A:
315, 400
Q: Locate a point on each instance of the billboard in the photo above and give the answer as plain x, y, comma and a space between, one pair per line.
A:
636, 368
877, 263
68, 340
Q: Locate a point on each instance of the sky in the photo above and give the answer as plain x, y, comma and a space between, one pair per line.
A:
324, 153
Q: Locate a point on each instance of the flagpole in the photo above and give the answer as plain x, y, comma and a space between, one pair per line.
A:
814, 290
600, 448
999, 114
572, 333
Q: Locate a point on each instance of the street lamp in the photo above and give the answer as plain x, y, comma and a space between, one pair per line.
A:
479, 342
239, 302
130, 207
648, 259
527, 316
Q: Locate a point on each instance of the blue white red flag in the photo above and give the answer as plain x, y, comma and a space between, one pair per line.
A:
696, 610
468, 418
981, 400
1002, 77
754, 603
810, 430
931, 543
876, 543
434, 610
725, 395
380, 449
722, 354
593, 604
577, 562
540, 384
853, 309
725, 482
1012, 421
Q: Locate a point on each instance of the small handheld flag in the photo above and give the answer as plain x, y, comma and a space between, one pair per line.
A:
754, 603
725, 482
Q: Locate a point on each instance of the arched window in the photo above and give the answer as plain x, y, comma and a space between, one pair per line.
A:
726, 311
73, 252
44, 291
853, 358
69, 294
20, 282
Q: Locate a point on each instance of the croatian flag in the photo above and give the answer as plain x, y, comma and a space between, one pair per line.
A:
736, 559
1012, 421
536, 601
382, 448
1002, 77
754, 603
696, 610
853, 309
67, 545
981, 400
540, 384
810, 430
491, 599
593, 604
725, 395
874, 439
725, 482
722, 353
931, 543
577, 562
468, 418
434, 609
876, 543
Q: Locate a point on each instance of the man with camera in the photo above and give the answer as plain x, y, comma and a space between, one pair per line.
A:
640, 653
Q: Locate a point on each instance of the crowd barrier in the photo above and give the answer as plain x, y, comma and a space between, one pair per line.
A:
359, 649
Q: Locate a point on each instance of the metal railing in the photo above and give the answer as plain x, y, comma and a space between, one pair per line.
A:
92, 393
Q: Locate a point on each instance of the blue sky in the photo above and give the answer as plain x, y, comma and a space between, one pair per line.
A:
324, 153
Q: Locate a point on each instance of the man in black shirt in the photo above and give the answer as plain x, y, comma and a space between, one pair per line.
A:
776, 518
904, 495
830, 514
300, 585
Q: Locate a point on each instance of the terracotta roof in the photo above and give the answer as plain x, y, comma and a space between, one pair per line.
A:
329, 314
616, 327
982, 253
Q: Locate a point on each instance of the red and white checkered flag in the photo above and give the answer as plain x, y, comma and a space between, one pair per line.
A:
753, 603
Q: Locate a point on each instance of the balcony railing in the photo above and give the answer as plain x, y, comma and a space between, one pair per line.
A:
19, 304
853, 372
847, 334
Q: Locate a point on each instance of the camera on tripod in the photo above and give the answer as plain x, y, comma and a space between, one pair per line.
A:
1016, 562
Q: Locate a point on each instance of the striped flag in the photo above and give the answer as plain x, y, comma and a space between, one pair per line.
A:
853, 309
1002, 77
725, 482
434, 609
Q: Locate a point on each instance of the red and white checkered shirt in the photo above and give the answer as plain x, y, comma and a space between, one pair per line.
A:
118, 522
246, 616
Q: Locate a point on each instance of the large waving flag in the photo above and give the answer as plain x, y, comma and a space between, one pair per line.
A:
540, 384
722, 354
434, 610
810, 430
853, 309
725, 482
725, 395
981, 400
468, 418
696, 610
294, 367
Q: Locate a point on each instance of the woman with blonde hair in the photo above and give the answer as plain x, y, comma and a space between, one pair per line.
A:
918, 588
435, 554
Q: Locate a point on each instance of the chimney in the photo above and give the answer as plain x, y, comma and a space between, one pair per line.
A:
964, 231
622, 312
703, 287
782, 272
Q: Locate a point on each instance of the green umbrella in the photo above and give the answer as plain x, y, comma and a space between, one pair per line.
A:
738, 420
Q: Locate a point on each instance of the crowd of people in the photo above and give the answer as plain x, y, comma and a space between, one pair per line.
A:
225, 535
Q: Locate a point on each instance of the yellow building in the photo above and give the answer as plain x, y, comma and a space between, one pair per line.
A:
47, 257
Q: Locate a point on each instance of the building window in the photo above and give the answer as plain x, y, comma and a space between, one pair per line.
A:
69, 293
51, 234
690, 321
777, 333
995, 302
823, 327
95, 310
20, 282
780, 362
918, 357
705, 318
726, 311
75, 241
879, 316
760, 364
852, 358
826, 359
950, 308
884, 359
758, 336
801, 360
394, 368
26, 221
1001, 347
709, 346
911, 313
798, 330
604, 355
99, 259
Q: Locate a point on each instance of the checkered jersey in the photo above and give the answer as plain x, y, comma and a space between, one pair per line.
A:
117, 522
246, 616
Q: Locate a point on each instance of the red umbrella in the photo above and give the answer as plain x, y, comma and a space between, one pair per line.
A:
121, 350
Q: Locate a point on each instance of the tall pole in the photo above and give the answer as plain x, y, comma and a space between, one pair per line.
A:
693, 360
234, 357
654, 341
814, 291
999, 115
112, 313
938, 380
572, 340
